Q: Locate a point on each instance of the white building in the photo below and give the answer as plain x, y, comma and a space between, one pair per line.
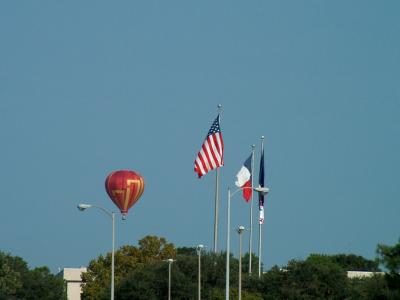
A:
73, 281
362, 274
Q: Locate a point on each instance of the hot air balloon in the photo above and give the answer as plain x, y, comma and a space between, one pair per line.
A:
124, 188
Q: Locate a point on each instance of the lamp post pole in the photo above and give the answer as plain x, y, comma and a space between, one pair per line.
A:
199, 248
240, 231
112, 255
169, 280
261, 190
82, 207
170, 261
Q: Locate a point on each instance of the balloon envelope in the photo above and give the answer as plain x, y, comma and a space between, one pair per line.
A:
124, 188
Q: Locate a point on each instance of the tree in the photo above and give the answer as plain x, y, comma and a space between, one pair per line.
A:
142, 273
214, 270
153, 248
369, 288
142, 284
389, 257
11, 271
317, 277
187, 251
270, 285
18, 282
128, 258
254, 263
349, 262
151, 281
40, 284
97, 279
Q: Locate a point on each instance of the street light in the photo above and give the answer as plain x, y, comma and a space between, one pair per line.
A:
260, 190
82, 207
170, 261
240, 231
198, 250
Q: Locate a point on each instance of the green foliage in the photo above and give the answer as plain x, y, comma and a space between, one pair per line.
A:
312, 279
214, 269
141, 272
142, 284
254, 263
369, 288
348, 262
389, 257
40, 284
152, 248
128, 259
271, 284
151, 282
18, 282
97, 279
11, 272
188, 251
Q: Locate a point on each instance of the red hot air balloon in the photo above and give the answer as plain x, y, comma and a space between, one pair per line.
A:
124, 188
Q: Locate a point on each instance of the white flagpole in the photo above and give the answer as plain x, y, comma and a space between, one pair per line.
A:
259, 250
216, 210
251, 208
228, 242
216, 196
260, 225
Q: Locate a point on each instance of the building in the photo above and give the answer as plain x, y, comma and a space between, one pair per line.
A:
73, 282
362, 274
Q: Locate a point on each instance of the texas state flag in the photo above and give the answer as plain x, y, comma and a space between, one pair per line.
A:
243, 179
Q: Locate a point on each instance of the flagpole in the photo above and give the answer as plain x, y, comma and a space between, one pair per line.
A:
260, 225
251, 208
259, 250
228, 242
216, 206
216, 210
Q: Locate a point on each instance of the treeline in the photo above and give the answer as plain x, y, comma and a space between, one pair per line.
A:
141, 272
18, 282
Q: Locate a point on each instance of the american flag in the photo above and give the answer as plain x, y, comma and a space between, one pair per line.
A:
211, 154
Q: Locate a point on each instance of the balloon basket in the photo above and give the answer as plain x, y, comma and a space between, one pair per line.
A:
123, 216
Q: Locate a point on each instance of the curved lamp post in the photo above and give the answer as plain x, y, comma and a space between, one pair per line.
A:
260, 190
82, 207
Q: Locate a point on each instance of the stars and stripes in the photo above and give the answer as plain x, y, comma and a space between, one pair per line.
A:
211, 153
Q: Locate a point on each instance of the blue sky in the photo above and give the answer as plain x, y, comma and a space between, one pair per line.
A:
95, 86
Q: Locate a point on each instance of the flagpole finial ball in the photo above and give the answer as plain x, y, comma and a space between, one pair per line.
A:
219, 105
262, 137
253, 146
